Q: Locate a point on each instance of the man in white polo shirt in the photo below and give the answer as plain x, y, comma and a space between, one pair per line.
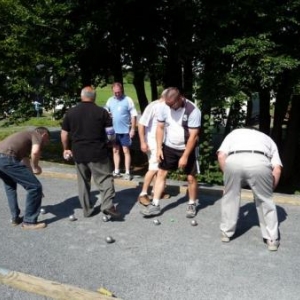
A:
250, 157
177, 133
147, 134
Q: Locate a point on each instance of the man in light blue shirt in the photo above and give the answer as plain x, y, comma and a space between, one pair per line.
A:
124, 115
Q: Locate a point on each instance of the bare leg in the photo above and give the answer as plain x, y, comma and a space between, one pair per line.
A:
160, 183
127, 156
192, 187
116, 154
150, 175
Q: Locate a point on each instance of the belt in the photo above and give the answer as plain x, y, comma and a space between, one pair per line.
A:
248, 151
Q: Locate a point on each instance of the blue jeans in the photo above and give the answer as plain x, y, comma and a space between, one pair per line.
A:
13, 172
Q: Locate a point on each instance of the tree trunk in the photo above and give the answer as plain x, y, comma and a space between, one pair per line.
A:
289, 156
173, 71
153, 85
264, 111
188, 79
281, 105
138, 82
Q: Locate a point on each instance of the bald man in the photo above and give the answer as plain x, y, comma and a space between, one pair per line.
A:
90, 129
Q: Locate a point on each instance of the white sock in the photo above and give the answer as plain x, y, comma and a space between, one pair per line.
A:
143, 193
191, 201
155, 202
117, 171
127, 172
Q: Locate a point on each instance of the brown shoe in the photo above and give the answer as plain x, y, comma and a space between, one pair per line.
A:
33, 226
144, 200
165, 196
112, 212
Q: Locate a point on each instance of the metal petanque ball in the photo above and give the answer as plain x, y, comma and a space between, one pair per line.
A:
109, 240
72, 218
42, 211
156, 222
105, 218
194, 223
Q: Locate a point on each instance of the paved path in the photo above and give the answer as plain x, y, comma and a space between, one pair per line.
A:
171, 261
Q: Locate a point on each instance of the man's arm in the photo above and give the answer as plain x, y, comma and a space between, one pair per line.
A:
276, 175
143, 144
221, 159
190, 146
133, 125
35, 157
160, 132
64, 136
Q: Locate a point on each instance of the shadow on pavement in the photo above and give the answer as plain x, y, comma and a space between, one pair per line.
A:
248, 218
66, 208
126, 200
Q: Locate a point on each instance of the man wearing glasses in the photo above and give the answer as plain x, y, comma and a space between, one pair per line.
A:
177, 136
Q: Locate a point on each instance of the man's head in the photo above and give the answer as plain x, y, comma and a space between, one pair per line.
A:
163, 94
173, 98
118, 90
88, 94
45, 133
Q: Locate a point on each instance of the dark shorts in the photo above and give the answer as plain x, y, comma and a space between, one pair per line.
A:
123, 139
171, 159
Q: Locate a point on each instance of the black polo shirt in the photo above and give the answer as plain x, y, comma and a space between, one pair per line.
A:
86, 124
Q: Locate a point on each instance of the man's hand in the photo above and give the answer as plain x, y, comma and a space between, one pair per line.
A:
132, 133
144, 147
37, 170
159, 155
67, 154
182, 162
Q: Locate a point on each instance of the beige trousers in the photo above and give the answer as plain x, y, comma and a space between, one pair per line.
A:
256, 171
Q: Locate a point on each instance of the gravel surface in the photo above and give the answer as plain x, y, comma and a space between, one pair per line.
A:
170, 261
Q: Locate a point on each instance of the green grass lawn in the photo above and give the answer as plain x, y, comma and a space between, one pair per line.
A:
104, 93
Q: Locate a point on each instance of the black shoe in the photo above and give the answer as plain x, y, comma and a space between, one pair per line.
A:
112, 212
17, 221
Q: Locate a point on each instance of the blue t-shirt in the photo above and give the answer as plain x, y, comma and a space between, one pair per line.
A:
122, 110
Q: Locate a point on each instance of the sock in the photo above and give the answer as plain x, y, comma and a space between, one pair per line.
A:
127, 172
117, 171
143, 193
191, 201
155, 202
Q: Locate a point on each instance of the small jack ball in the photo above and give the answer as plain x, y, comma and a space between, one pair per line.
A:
105, 219
42, 211
156, 222
109, 240
194, 223
72, 218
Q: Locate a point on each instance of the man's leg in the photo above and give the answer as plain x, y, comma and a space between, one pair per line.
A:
116, 157
84, 188
127, 158
261, 183
20, 174
150, 176
230, 202
192, 192
143, 197
12, 197
154, 208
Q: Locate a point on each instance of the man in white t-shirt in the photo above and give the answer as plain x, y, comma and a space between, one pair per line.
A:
147, 134
177, 134
250, 157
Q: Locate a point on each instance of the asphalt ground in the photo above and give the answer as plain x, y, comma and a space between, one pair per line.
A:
173, 260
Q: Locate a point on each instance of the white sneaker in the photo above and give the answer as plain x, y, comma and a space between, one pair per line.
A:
225, 238
273, 245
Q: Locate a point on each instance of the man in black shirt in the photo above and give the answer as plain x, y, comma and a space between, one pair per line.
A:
90, 128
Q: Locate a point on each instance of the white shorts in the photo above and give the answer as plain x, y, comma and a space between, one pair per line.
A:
152, 160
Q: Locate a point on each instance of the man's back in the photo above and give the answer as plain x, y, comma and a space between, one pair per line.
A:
86, 124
